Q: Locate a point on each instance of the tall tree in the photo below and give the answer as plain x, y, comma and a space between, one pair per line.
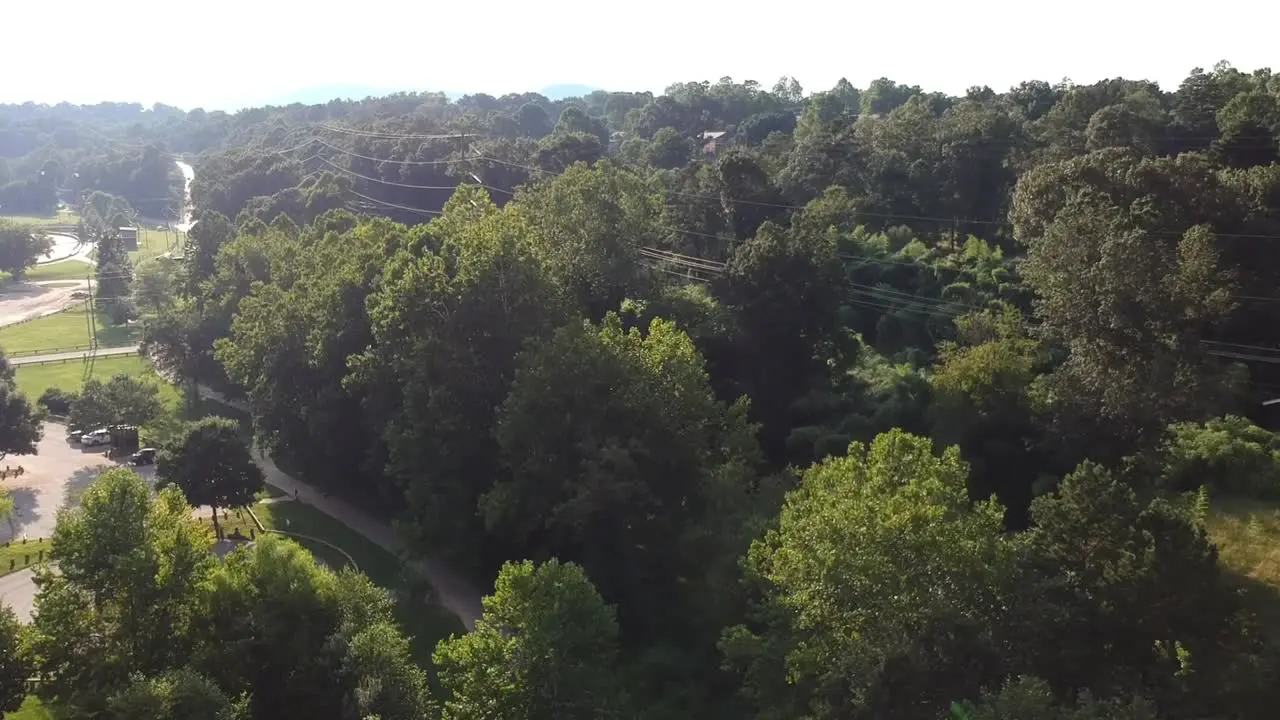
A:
122, 400
212, 466
114, 276
876, 556
14, 665
126, 595
21, 246
546, 647
617, 452
20, 428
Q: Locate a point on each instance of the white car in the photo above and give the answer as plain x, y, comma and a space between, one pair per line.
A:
97, 437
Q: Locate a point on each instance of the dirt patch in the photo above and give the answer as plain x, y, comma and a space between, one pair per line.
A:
31, 300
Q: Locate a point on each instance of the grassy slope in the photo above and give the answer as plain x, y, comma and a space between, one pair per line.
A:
1247, 533
67, 329
65, 270
34, 379
23, 555
67, 218
152, 243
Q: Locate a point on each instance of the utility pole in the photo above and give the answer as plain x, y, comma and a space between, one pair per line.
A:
88, 319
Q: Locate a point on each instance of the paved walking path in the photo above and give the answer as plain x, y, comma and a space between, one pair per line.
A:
75, 355
452, 591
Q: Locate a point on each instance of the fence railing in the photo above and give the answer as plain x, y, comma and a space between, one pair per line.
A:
49, 351
76, 358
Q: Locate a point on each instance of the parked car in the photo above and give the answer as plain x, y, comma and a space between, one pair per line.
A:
145, 456
95, 438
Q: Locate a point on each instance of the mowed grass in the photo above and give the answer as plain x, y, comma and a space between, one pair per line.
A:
65, 270
1247, 533
153, 243
35, 379
64, 218
67, 330
425, 623
33, 708
16, 556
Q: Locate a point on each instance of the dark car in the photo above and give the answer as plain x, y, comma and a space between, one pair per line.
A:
145, 456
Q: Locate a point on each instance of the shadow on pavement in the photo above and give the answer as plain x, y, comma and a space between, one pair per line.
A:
24, 513
77, 483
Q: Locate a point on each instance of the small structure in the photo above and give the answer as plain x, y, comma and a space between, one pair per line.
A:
713, 141
129, 236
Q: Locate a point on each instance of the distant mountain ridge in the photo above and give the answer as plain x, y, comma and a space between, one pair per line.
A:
324, 93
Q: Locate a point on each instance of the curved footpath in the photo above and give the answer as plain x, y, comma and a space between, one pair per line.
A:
452, 591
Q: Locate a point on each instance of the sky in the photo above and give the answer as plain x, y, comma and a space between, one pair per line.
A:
237, 53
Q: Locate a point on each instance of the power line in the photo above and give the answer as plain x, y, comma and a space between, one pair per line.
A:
388, 136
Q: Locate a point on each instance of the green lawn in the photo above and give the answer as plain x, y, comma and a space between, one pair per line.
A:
65, 270
1247, 533
34, 379
155, 242
65, 218
22, 555
32, 709
67, 330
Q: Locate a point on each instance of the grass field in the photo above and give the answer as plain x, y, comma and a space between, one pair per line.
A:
34, 379
65, 218
23, 555
155, 242
69, 330
1247, 533
65, 270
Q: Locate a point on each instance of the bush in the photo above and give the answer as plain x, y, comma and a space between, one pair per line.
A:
57, 401
1229, 454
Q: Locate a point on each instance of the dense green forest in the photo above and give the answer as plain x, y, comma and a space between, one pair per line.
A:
756, 402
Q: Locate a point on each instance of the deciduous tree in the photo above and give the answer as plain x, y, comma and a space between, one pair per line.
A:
212, 466
550, 612
20, 428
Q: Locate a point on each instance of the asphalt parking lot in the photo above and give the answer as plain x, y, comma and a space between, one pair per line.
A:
53, 478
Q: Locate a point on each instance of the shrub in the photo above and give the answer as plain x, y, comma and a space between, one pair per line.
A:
57, 401
1229, 454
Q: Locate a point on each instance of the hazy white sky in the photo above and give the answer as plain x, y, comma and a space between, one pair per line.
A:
231, 53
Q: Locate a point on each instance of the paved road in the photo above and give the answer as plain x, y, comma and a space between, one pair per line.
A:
18, 591
452, 591
75, 355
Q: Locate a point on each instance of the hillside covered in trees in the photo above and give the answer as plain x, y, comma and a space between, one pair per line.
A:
772, 403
